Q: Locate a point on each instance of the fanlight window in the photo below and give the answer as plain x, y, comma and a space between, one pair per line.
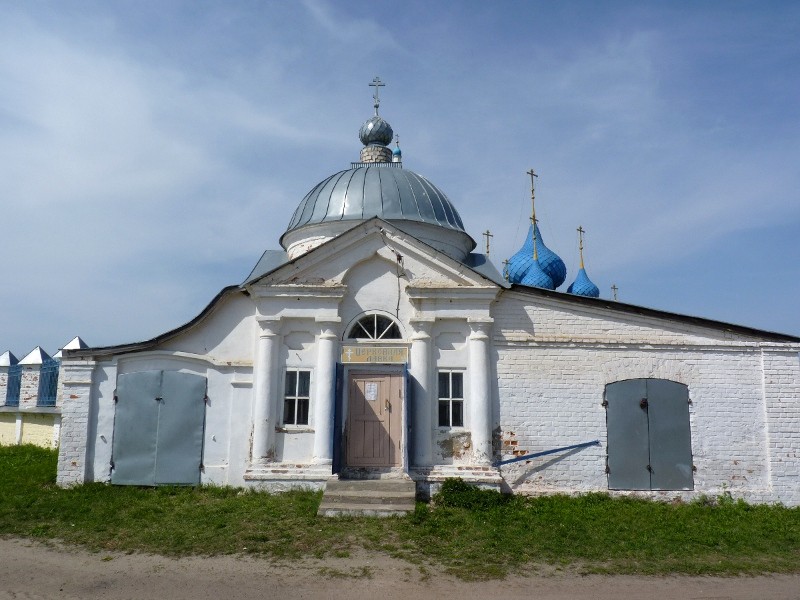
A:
375, 327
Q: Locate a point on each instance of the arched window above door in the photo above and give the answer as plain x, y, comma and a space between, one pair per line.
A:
375, 327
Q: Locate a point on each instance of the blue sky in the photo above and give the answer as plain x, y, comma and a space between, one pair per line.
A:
150, 151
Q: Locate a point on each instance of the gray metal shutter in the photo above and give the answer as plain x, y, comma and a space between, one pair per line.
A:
180, 428
158, 428
136, 428
670, 435
628, 446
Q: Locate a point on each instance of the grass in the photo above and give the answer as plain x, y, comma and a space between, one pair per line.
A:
469, 533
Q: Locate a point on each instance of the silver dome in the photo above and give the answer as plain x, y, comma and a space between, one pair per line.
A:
376, 131
369, 191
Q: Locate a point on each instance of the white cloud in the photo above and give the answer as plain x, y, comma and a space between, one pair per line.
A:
365, 33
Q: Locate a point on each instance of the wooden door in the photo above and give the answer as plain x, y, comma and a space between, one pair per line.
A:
374, 420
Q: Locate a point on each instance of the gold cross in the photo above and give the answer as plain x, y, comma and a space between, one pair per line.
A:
533, 174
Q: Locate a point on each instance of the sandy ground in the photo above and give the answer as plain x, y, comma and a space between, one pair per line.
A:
34, 571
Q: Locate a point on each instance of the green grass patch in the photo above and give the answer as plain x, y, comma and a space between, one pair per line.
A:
470, 533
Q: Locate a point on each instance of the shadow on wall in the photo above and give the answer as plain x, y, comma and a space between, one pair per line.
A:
528, 471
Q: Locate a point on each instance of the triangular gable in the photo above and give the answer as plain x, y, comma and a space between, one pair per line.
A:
329, 263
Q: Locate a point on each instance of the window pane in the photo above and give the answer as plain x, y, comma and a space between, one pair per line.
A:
288, 411
458, 385
381, 325
360, 330
291, 383
458, 413
444, 385
444, 413
302, 411
305, 383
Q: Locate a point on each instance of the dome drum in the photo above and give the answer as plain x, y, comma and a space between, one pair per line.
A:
455, 244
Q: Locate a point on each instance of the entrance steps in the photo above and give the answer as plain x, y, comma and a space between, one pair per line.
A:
367, 497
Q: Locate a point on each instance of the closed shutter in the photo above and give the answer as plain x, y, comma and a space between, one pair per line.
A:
649, 437
670, 438
158, 428
628, 448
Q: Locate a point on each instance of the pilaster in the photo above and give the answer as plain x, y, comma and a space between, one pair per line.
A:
480, 396
265, 395
421, 378
75, 403
325, 382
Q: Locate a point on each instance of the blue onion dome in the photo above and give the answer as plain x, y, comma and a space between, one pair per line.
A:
583, 286
535, 276
397, 152
376, 131
550, 262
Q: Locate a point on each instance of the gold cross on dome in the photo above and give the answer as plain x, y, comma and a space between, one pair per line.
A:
533, 175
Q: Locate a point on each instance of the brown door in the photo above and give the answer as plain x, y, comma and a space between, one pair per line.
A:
374, 420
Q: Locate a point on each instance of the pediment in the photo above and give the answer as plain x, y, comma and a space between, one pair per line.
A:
330, 264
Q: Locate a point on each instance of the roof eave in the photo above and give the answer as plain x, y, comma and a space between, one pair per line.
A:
617, 306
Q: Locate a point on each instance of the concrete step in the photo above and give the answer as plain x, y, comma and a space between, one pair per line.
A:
405, 486
372, 497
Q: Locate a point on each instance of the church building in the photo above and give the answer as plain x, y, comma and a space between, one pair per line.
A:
377, 343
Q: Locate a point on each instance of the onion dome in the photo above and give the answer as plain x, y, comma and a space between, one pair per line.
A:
376, 131
397, 154
549, 261
583, 286
536, 276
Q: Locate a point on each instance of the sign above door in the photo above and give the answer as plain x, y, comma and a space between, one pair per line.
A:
374, 354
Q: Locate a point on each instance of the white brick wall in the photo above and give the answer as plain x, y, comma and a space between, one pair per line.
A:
555, 360
782, 410
75, 404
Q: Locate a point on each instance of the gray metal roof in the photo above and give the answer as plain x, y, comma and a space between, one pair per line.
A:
269, 261
481, 264
376, 191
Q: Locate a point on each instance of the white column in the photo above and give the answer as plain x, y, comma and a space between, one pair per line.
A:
324, 392
480, 394
264, 384
420, 370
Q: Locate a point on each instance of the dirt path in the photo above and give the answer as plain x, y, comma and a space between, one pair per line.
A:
33, 571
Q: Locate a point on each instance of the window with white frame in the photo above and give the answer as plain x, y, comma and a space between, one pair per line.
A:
451, 399
296, 397
375, 327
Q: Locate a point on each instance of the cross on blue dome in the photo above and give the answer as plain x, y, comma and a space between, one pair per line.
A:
583, 286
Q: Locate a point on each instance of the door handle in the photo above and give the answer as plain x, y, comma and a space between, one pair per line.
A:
388, 404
